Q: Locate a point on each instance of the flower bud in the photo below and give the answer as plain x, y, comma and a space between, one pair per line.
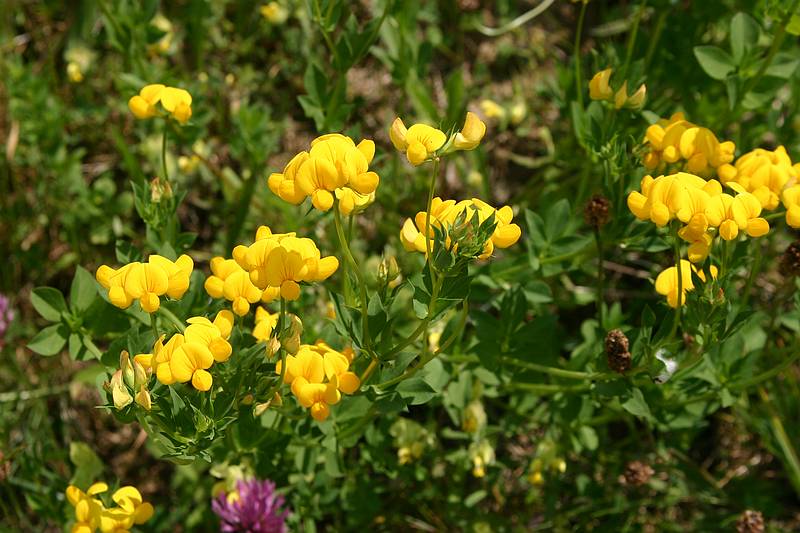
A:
273, 345
160, 190
119, 392
128, 373
140, 376
388, 270
247, 400
143, 398
474, 417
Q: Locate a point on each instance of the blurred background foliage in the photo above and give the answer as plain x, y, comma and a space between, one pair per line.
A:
263, 87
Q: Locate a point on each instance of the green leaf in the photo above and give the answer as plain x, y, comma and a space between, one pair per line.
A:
50, 340
783, 66
637, 406
474, 498
588, 438
417, 390
49, 303
744, 35
715, 61
88, 466
83, 290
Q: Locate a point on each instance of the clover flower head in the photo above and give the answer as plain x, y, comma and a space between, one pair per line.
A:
253, 507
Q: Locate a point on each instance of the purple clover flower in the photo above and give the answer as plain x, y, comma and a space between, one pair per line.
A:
6, 316
257, 509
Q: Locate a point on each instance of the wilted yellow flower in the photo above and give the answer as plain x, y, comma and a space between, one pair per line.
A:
667, 281
176, 102
443, 215
333, 162
419, 142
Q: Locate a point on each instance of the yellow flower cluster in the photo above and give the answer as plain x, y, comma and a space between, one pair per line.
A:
176, 102
421, 142
334, 167
91, 514
273, 266
692, 148
188, 356
443, 215
318, 375
146, 282
764, 173
701, 206
667, 281
599, 89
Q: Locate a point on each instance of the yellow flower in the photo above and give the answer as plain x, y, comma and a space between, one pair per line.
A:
74, 72
177, 102
146, 282
88, 510
240, 290
492, 109
667, 282
677, 140
599, 88
471, 134
162, 355
763, 173
443, 215
318, 375
190, 362
275, 13
130, 500
791, 201
178, 273
350, 201
420, 142
283, 261
732, 214
265, 324
333, 162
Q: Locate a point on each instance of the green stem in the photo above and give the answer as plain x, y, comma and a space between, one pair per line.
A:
242, 210
548, 388
576, 54
599, 242
777, 41
164, 151
755, 268
676, 247
345, 245
517, 22
431, 188
153, 325
656, 37
785, 443
172, 318
423, 327
25, 395
632, 38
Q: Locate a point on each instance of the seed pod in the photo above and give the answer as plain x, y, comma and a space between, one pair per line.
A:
790, 260
617, 351
750, 522
596, 213
636, 474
